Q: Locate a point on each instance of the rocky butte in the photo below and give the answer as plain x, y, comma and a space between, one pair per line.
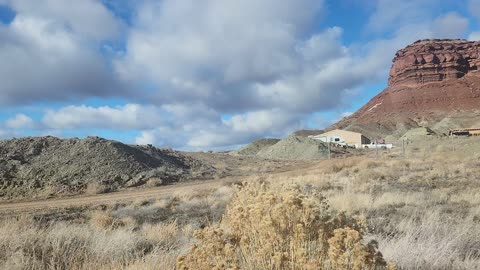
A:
433, 83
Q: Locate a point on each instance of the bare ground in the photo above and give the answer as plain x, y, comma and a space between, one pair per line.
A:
239, 169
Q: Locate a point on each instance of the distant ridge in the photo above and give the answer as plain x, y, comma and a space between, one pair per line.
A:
433, 83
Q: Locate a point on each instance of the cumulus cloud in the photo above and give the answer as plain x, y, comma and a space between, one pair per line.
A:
450, 25
50, 51
219, 51
206, 73
254, 57
130, 116
238, 129
238, 57
87, 17
474, 36
20, 121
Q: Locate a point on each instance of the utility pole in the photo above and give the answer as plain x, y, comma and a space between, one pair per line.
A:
453, 145
376, 149
403, 147
329, 150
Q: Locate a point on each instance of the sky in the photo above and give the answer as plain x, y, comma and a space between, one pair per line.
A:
201, 75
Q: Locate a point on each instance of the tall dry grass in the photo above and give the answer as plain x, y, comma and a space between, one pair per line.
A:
131, 235
423, 211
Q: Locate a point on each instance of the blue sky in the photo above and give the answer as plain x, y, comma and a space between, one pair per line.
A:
207, 74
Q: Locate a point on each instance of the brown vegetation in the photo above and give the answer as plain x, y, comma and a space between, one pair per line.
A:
422, 211
283, 228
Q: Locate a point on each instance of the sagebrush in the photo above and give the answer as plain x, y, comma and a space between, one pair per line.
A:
282, 229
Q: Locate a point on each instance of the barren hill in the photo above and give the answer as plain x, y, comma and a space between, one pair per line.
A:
255, 147
46, 166
433, 83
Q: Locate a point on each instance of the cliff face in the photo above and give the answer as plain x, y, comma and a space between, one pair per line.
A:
434, 60
433, 83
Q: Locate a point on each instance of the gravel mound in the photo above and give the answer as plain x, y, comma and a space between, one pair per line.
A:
296, 148
255, 147
422, 133
308, 132
47, 166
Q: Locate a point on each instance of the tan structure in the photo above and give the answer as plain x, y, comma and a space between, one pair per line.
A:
343, 137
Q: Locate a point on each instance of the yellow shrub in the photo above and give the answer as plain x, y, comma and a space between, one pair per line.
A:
265, 228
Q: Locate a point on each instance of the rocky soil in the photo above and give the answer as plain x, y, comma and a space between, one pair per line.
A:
433, 83
295, 148
255, 147
48, 166
419, 134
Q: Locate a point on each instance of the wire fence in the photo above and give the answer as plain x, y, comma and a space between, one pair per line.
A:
429, 145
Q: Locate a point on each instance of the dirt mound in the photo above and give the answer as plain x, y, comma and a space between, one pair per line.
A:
308, 132
296, 148
47, 166
255, 147
422, 133
433, 83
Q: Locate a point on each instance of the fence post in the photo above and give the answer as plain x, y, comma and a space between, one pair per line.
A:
329, 149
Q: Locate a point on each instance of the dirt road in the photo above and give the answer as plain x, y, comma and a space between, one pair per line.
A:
137, 194
30, 206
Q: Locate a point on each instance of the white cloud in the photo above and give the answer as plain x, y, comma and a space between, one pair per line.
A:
239, 129
88, 18
265, 65
216, 51
255, 55
50, 51
20, 121
130, 116
474, 36
146, 137
450, 25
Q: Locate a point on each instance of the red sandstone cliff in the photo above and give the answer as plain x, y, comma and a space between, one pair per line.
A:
432, 83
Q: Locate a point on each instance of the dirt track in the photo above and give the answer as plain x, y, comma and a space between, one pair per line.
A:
86, 200
105, 198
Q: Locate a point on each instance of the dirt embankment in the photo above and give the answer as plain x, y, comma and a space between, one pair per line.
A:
255, 147
48, 166
296, 148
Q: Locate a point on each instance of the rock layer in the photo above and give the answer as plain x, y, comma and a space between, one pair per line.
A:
434, 60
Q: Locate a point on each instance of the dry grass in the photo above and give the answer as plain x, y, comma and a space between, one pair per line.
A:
422, 210
281, 228
96, 188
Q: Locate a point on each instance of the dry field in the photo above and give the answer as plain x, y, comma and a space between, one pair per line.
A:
421, 211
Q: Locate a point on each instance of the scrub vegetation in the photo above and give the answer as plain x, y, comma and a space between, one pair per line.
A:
419, 211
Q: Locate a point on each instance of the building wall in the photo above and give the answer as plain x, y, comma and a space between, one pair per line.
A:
351, 138
365, 140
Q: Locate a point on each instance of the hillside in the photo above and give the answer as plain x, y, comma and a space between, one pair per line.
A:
254, 147
46, 166
433, 83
